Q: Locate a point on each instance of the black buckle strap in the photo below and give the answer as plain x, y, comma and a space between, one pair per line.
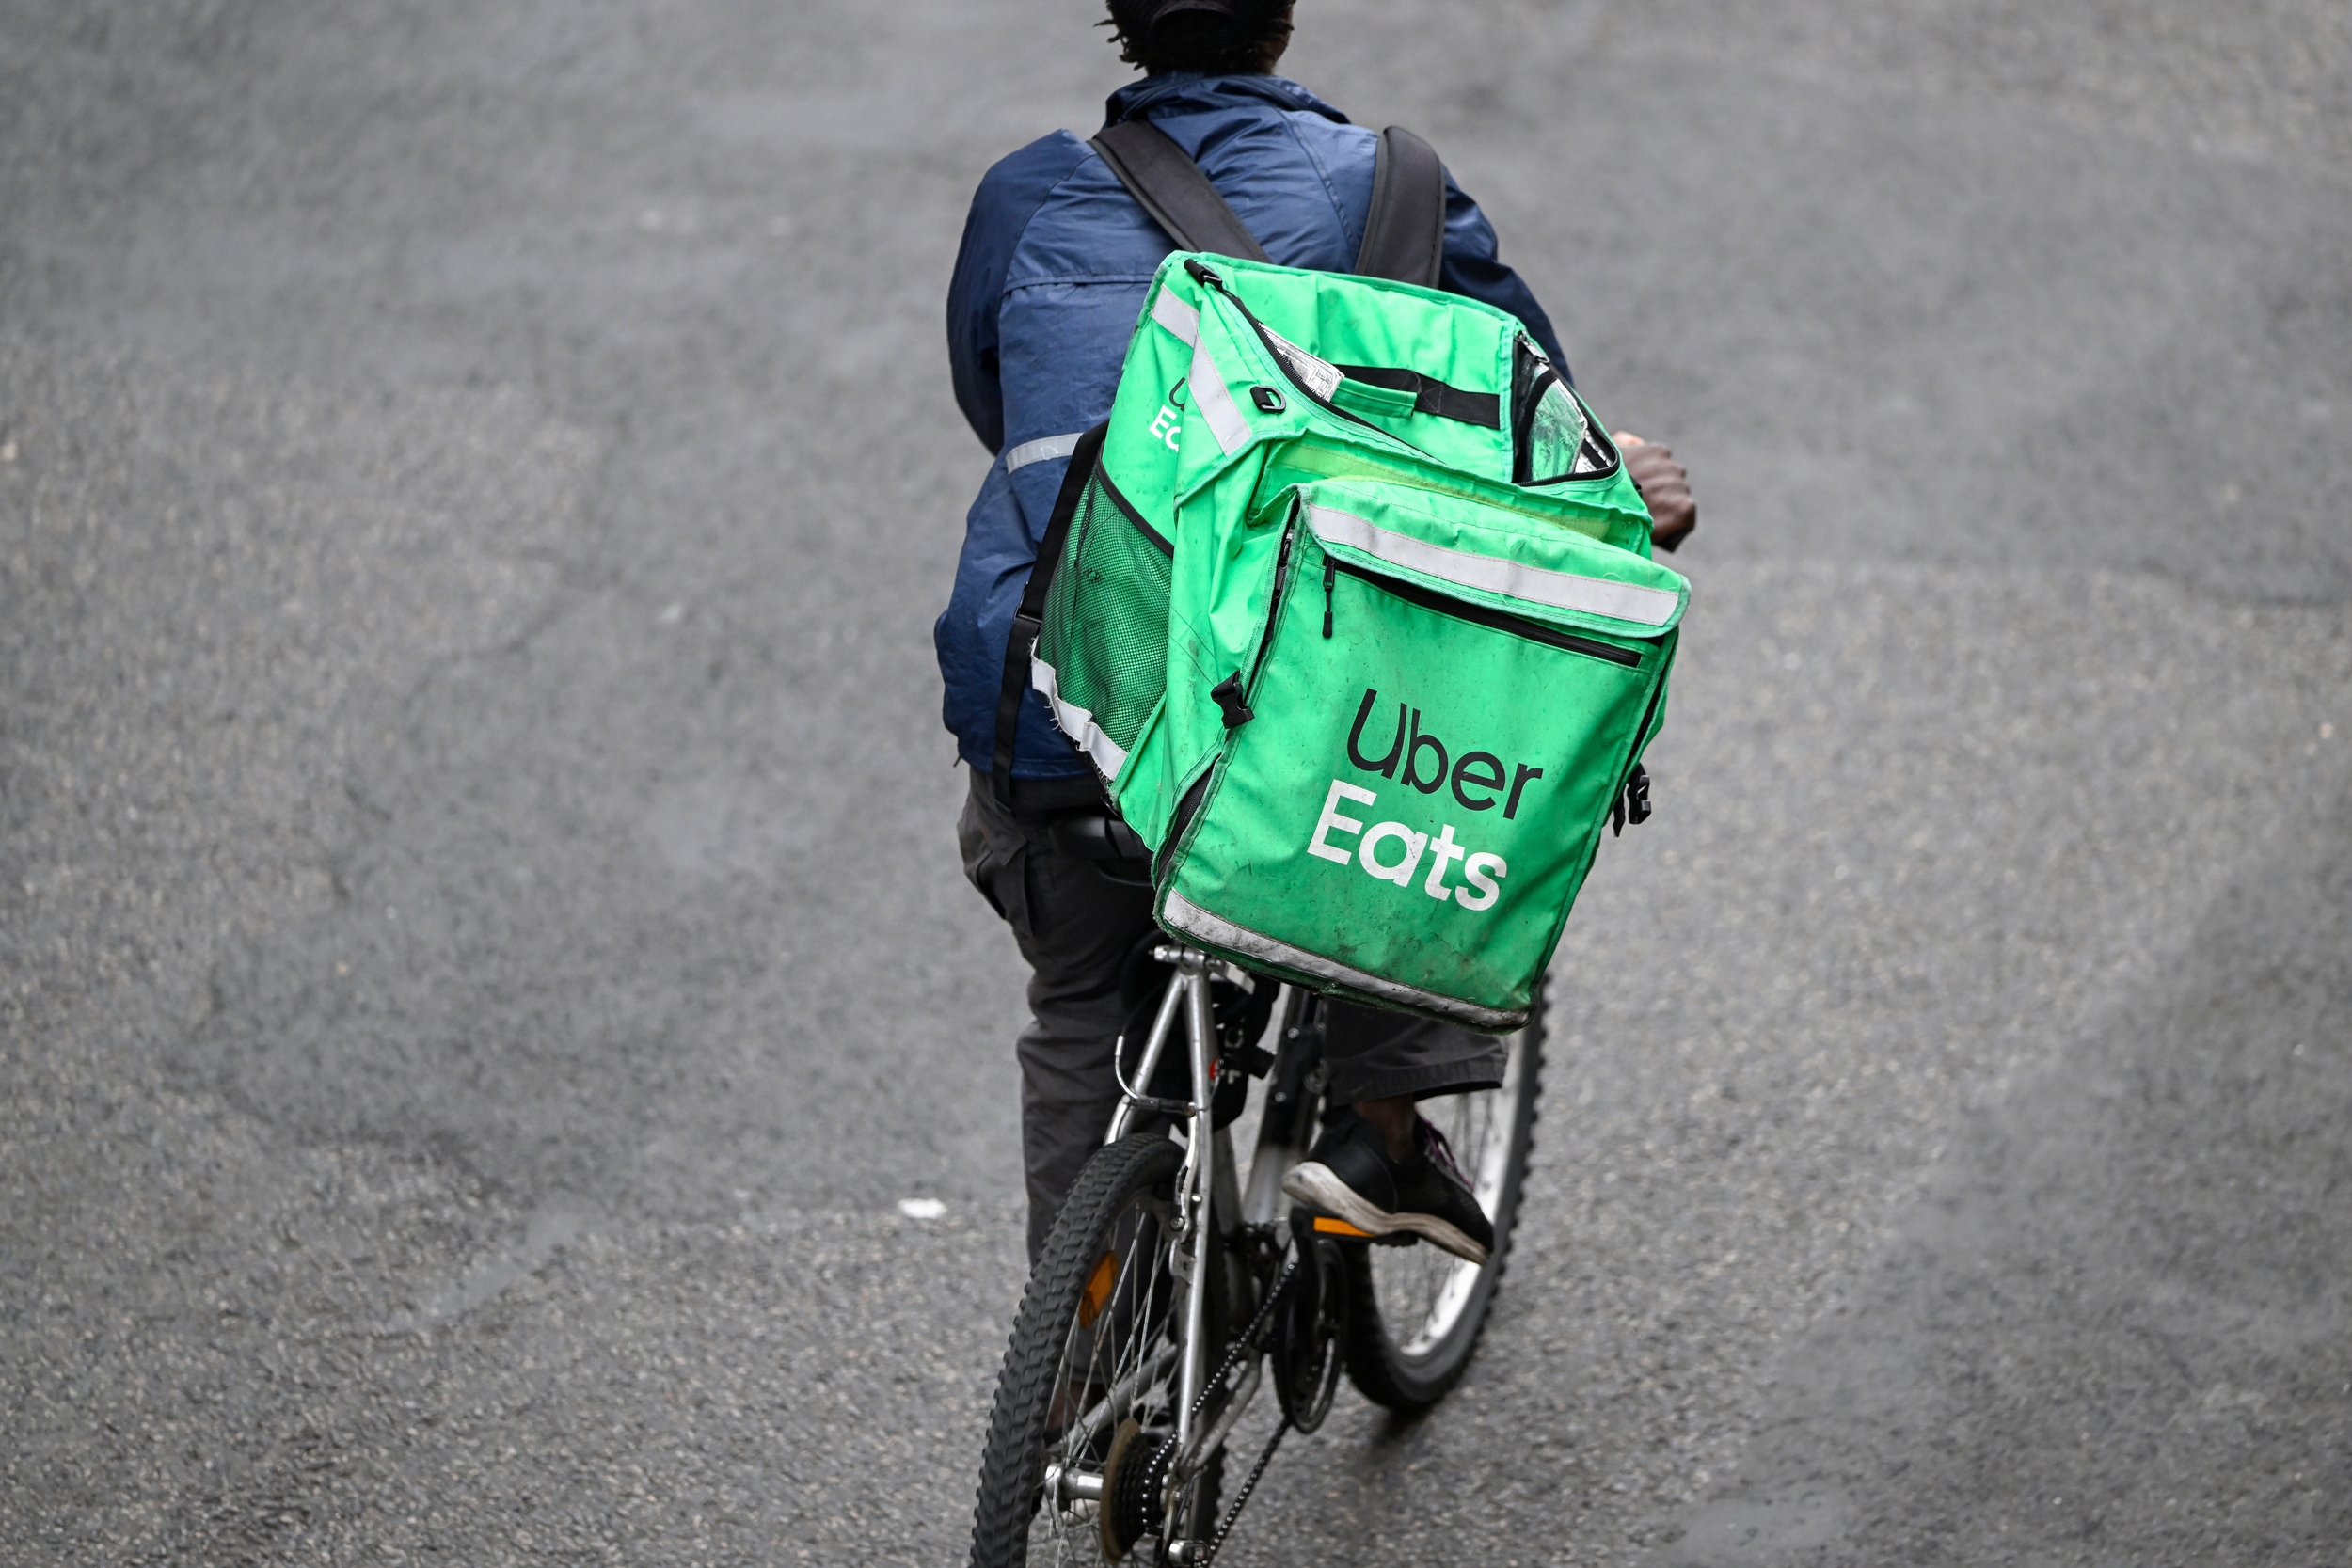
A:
1227, 695
1632, 803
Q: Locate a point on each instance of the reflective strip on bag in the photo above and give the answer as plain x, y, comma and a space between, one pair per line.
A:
1182, 915
1618, 601
1178, 317
1077, 722
1209, 393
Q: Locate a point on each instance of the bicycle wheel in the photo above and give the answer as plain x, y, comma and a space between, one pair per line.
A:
1090, 1380
1416, 1312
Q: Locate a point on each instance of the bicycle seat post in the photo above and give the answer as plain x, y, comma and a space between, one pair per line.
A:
1131, 1097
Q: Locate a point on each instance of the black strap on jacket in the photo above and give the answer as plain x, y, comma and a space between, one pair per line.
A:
1029, 619
1165, 181
1405, 236
1404, 233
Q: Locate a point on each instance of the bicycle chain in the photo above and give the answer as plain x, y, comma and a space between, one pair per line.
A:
1257, 1325
1233, 1359
1217, 1544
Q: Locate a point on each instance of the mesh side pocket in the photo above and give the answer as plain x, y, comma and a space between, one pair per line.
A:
1105, 632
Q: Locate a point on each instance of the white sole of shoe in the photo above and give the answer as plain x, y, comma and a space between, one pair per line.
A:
1316, 1186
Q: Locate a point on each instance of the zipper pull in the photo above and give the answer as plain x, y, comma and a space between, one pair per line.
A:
1330, 575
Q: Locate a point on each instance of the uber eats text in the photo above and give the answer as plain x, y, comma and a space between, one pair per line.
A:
1476, 779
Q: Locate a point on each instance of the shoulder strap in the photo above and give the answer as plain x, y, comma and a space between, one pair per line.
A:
1163, 178
1029, 619
1405, 236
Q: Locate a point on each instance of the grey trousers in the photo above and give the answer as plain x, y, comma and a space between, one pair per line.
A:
1075, 928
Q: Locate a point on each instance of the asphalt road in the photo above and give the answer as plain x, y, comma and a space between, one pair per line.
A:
483, 953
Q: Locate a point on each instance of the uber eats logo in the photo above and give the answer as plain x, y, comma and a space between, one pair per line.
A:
1392, 851
1170, 421
1476, 774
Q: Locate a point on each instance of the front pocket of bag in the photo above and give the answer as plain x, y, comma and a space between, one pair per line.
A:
1417, 794
1462, 610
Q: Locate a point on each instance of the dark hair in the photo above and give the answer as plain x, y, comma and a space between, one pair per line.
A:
1236, 38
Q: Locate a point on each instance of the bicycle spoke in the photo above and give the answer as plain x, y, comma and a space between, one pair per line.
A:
1119, 1363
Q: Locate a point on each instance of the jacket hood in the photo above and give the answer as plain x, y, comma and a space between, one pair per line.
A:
1191, 91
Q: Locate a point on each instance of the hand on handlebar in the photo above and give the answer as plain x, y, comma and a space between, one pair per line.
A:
1665, 485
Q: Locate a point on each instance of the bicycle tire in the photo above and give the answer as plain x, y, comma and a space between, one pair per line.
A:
1012, 1463
1390, 1368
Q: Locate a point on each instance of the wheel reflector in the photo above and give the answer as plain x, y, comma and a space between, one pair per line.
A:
1098, 1291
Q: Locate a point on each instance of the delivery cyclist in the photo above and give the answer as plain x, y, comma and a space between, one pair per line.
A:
1056, 261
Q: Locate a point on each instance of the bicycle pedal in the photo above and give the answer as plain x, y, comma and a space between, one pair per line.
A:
1327, 1226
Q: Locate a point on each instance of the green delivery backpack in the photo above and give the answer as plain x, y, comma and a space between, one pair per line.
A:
1351, 604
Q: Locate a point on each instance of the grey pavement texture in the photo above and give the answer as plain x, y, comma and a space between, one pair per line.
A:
481, 956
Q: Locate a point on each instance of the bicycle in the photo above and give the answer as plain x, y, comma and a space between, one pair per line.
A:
1172, 1287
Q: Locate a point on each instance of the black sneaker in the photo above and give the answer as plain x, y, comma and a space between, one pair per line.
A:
1350, 1177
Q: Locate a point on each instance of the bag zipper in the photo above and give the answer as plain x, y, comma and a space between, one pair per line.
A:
1188, 807
1274, 602
1629, 798
1640, 731
1478, 614
1523, 425
1134, 518
1208, 278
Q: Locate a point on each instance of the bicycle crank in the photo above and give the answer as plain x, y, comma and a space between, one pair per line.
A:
1311, 1323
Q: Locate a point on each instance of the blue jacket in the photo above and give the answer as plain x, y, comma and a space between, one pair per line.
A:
1050, 280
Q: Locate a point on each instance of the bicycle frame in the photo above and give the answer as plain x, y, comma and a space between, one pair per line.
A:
1209, 1201
1268, 1249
